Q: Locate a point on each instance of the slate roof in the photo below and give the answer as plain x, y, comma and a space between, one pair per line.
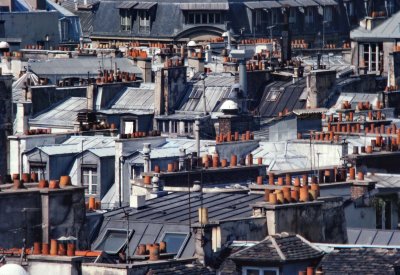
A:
170, 213
364, 236
348, 261
133, 99
289, 97
168, 21
387, 30
79, 67
184, 269
63, 115
279, 248
218, 88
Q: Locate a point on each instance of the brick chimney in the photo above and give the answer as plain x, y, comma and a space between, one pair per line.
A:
360, 188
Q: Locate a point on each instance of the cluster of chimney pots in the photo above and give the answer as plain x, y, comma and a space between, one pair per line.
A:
297, 189
248, 135
153, 133
19, 180
152, 250
56, 248
37, 132
311, 271
110, 76
373, 125
207, 161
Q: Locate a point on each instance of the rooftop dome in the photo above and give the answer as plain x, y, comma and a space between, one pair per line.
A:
4, 45
192, 44
229, 105
12, 269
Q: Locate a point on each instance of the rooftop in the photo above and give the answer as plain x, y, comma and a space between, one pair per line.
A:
387, 30
75, 67
360, 261
279, 248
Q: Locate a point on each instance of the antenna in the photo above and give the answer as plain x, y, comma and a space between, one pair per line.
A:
127, 235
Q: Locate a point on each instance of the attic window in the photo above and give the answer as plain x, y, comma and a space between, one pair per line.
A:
259, 271
175, 242
126, 19
113, 241
273, 95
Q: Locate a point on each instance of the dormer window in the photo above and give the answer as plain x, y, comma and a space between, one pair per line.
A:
144, 21
309, 19
204, 17
126, 19
125, 13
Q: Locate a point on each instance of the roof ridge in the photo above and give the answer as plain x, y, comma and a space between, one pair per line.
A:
278, 249
309, 243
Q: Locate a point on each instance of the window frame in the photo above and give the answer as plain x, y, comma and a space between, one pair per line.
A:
260, 269
203, 18
309, 15
91, 168
144, 18
36, 167
292, 15
178, 254
270, 96
125, 19
113, 229
328, 14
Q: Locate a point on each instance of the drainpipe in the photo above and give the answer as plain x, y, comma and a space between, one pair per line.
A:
121, 161
197, 133
243, 81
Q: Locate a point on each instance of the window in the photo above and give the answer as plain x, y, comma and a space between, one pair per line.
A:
350, 8
328, 14
40, 169
113, 241
274, 16
260, 271
190, 18
126, 19
129, 126
175, 242
64, 30
292, 15
89, 180
144, 21
371, 55
309, 19
203, 18
273, 95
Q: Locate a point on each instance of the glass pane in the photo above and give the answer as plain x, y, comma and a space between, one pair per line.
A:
174, 241
112, 242
198, 18
252, 271
204, 18
269, 272
217, 18
211, 18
